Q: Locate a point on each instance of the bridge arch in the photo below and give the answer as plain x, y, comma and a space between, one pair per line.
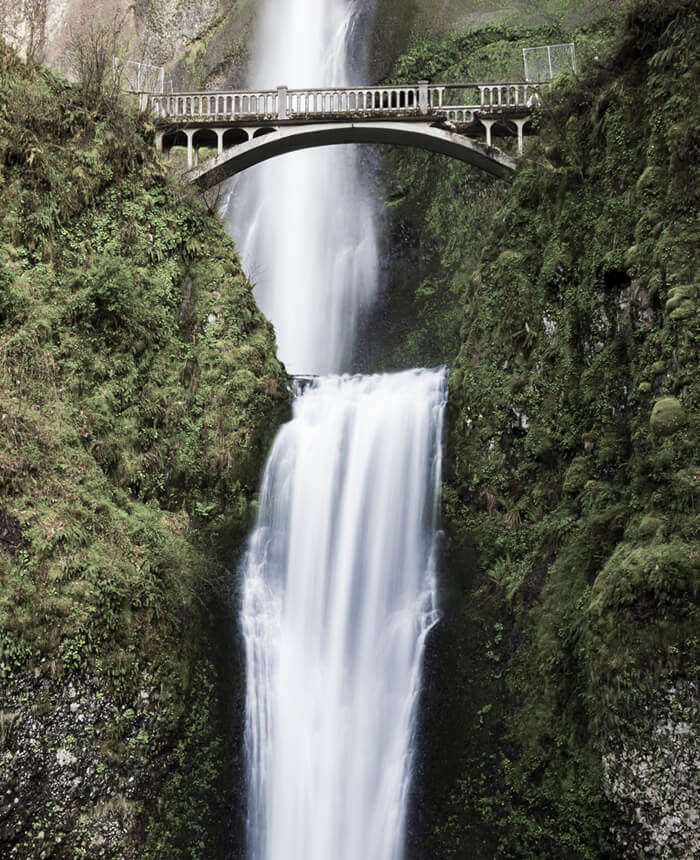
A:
288, 138
173, 139
234, 136
205, 138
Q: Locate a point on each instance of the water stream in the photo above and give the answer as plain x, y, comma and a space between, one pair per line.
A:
304, 222
338, 577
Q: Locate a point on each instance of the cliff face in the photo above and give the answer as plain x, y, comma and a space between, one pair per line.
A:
561, 688
201, 43
139, 393
207, 43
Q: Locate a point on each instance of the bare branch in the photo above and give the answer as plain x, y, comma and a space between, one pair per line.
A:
92, 49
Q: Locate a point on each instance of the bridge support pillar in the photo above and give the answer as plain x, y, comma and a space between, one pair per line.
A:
520, 125
190, 149
159, 141
487, 124
423, 96
220, 139
281, 102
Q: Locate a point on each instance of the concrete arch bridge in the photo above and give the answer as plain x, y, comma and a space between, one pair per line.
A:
248, 127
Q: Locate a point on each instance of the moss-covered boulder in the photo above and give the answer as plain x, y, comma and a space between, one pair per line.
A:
667, 416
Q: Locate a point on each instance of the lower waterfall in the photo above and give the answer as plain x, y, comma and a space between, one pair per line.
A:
338, 595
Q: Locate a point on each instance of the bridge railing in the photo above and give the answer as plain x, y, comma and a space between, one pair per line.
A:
490, 96
355, 100
288, 104
455, 101
205, 106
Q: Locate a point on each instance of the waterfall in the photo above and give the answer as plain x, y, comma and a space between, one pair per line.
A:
338, 578
304, 222
338, 595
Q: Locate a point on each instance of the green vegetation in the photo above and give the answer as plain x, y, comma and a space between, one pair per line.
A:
567, 309
139, 390
440, 211
400, 27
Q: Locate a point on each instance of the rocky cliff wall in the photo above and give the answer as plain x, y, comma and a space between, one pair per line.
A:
200, 44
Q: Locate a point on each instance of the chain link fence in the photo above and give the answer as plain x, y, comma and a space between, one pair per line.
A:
545, 62
136, 77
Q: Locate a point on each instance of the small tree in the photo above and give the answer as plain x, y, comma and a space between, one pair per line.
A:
23, 25
92, 49
35, 12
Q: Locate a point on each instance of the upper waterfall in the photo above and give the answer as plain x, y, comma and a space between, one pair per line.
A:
305, 222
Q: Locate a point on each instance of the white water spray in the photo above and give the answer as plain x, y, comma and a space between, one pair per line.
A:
304, 221
339, 594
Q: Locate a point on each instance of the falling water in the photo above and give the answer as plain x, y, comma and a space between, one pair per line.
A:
304, 221
338, 579
339, 594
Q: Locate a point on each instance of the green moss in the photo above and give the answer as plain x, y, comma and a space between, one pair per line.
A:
576, 495
133, 429
667, 416
681, 302
577, 475
650, 525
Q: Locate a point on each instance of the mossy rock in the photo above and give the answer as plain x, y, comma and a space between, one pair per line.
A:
667, 416
650, 525
633, 258
576, 475
649, 179
510, 261
681, 302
